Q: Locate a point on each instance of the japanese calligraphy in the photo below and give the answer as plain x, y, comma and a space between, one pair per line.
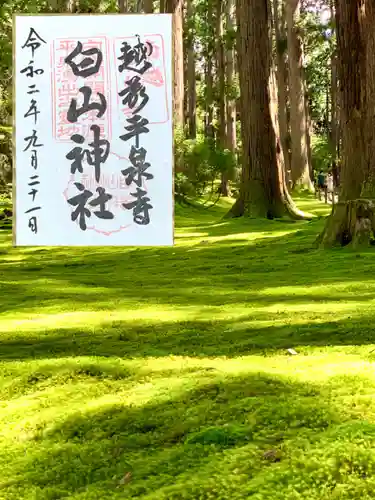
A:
33, 43
74, 113
89, 65
136, 98
93, 134
96, 154
135, 58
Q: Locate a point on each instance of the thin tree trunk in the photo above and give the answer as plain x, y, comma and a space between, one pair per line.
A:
281, 46
209, 130
262, 192
220, 76
298, 121
308, 132
162, 6
231, 141
175, 7
191, 84
334, 114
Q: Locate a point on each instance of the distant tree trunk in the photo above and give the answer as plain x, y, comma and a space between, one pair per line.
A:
191, 84
308, 131
148, 6
123, 6
263, 192
334, 114
209, 129
231, 140
162, 6
298, 121
175, 7
220, 76
281, 47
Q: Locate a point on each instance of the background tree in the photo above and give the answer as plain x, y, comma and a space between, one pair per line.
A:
300, 164
175, 7
209, 154
352, 220
263, 191
191, 76
231, 93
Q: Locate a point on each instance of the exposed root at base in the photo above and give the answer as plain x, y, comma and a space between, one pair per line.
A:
351, 223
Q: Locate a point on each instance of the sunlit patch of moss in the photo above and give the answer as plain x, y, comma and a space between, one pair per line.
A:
164, 373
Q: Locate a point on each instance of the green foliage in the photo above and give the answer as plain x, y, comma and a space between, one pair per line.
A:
198, 164
319, 44
5, 156
321, 153
5, 209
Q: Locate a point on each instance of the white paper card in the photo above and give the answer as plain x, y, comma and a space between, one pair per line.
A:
93, 140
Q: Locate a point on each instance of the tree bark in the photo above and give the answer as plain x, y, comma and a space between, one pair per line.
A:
209, 129
368, 29
191, 84
281, 47
353, 219
175, 7
298, 121
123, 6
334, 115
148, 6
220, 77
231, 135
263, 192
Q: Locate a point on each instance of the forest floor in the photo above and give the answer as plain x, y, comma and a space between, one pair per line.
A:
164, 373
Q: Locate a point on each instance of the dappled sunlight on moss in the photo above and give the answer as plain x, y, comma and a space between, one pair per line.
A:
172, 364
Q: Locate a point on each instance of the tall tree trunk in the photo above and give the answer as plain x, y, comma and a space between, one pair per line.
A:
298, 120
262, 192
352, 88
220, 76
191, 84
368, 25
353, 218
231, 139
148, 6
209, 129
162, 6
175, 7
281, 47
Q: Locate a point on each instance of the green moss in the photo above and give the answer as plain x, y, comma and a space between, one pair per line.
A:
164, 373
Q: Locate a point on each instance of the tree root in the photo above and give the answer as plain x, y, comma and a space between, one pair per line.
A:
351, 223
